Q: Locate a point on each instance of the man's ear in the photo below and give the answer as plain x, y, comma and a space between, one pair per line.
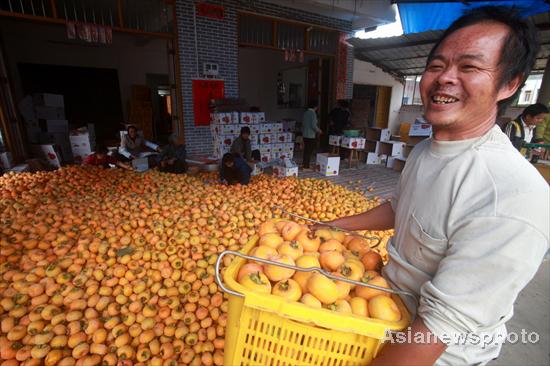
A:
507, 90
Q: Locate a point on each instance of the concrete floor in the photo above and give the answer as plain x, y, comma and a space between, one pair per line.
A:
532, 308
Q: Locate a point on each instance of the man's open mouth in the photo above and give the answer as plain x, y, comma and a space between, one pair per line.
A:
443, 99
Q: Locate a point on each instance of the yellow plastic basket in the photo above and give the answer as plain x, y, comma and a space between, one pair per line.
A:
269, 330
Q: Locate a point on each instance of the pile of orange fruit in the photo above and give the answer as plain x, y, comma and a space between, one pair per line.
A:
345, 256
110, 267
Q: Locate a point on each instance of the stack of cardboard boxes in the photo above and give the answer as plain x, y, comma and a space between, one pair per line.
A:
267, 137
418, 131
49, 133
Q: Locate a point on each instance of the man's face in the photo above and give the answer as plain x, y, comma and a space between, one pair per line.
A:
245, 136
132, 132
535, 120
459, 86
229, 164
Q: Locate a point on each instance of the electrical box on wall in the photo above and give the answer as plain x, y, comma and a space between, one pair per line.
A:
210, 69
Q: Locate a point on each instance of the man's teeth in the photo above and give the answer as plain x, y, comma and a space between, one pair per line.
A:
443, 100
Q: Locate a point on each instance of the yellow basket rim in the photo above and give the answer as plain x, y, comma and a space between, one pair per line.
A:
321, 317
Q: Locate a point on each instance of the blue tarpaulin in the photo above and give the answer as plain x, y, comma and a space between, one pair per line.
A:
426, 16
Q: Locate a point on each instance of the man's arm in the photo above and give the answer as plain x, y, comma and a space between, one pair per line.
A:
412, 354
379, 218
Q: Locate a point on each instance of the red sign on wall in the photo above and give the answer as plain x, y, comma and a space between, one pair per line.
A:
204, 93
209, 10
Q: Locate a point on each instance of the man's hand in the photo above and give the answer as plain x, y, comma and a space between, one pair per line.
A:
315, 227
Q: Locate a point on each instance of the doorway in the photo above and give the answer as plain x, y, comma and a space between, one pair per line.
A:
371, 105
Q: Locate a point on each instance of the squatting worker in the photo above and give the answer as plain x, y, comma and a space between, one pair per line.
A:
470, 213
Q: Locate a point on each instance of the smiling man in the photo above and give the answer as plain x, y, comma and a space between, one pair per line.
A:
470, 213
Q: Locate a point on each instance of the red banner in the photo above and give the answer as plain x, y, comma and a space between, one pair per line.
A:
204, 93
210, 11
342, 67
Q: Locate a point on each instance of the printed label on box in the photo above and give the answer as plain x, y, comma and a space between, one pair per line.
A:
267, 138
353, 142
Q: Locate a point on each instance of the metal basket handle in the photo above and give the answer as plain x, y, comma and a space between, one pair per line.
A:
336, 228
220, 283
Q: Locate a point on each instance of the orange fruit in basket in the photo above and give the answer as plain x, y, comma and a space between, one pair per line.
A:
290, 231
305, 261
338, 235
323, 288
331, 260
281, 224
311, 300
359, 306
340, 306
276, 273
267, 227
351, 269
293, 249
358, 246
288, 289
256, 281
344, 288
308, 240
372, 261
264, 252
331, 244
367, 292
272, 240
248, 268
324, 234
384, 308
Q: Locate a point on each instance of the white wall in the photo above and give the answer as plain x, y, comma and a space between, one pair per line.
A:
258, 70
367, 74
132, 56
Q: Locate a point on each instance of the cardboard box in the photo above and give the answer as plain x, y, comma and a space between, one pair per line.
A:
282, 171
265, 149
373, 158
391, 148
289, 126
44, 112
277, 148
33, 134
277, 127
372, 146
267, 138
286, 154
288, 147
329, 165
231, 129
21, 168
140, 164
246, 118
235, 118
254, 145
64, 145
399, 164
355, 143
420, 129
284, 137
256, 170
390, 161
334, 140
258, 117
6, 160
48, 100
265, 157
266, 128
255, 129
48, 154
378, 134
55, 125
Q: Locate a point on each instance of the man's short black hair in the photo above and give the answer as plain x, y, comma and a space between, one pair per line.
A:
227, 158
245, 130
519, 53
534, 110
313, 104
131, 127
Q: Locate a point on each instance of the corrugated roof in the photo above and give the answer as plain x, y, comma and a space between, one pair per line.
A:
406, 55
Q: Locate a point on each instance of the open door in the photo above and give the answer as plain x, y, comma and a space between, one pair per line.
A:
382, 111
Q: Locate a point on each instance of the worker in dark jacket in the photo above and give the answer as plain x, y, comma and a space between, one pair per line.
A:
243, 148
172, 158
522, 130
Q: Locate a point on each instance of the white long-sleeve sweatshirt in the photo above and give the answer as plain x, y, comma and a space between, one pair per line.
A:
472, 227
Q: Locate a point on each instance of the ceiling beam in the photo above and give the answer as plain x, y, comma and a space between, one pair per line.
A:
397, 45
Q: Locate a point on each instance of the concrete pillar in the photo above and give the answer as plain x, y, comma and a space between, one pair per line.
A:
544, 93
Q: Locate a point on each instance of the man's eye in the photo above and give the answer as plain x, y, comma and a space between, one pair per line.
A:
435, 67
469, 67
